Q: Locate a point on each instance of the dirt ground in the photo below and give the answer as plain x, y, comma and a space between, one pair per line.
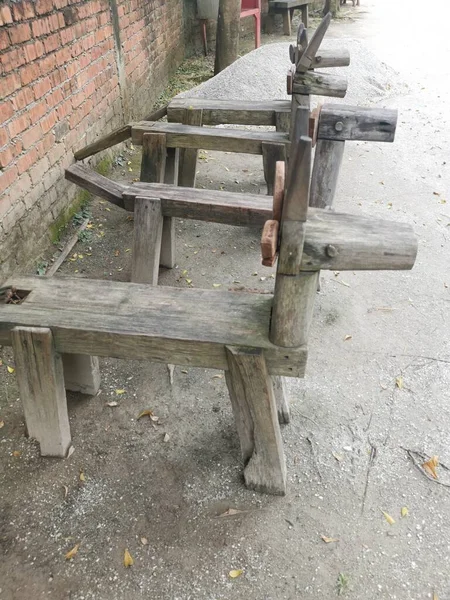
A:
365, 402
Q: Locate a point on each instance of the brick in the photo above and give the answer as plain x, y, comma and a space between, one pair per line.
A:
38, 170
23, 97
14, 214
56, 153
7, 177
61, 3
45, 144
29, 73
37, 111
4, 137
26, 161
5, 15
6, 110
40, 27
34, 50
49, 122
67, 35
31, 136
52, 42
55, 98
64, 109
20, 33
12, 60
4, 39
6, 157
41, 88
61, 129
23, 10
8, 85
47, 64
18, 125
44, 6
63, 56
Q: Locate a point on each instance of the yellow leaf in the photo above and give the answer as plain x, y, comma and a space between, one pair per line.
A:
404, 511
435, 596
80, 256
1, 362
337, 456
388, 518
120, 392
347, 337
108, 209
329, 540
188, 281
146, 413
16, 453
127, 559
2, 424
235, 573
72, 552
82, 476
430, 466
10, 369
128, 250
217, 285
90, 226
399, 382
230, 512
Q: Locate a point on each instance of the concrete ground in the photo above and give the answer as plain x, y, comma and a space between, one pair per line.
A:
351, 428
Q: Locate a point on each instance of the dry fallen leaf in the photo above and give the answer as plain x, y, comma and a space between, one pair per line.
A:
82, 476
235, 573
217, 377
2, 424
388, 518
347, 337
399, 382
144, 541
66, 491
112, 404
166, 437
10, 369
404, 511
230, 512
72, 552
148, 413
217, 285
120, 392
329, 540
337, 456
127, 559
16, 453
430, 466
435, 596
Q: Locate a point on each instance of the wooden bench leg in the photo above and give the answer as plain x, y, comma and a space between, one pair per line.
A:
40, 378
271, 154
81, 373
188, 156
325, 174
270, 23
287, 22
256, 418
304, 9
281, 399
148, 227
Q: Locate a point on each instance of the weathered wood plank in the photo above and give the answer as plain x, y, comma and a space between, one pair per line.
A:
341, 122
113, 138
40, 378
320, 84
188, 156
159, 324
98, 185
81, 373
327, 164
281, 399
148, 224
278, 190
225, 140
324, 59
229, 112
256, 417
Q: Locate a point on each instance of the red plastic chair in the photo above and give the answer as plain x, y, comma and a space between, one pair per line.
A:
253, 8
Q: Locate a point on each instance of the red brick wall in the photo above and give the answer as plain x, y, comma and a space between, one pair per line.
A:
70, 71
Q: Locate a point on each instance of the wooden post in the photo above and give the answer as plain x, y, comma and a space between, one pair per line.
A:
40, 378
153, 170
271, 154
327, 164
227, 37
281, 401
255, 413
148, 225
294, 290
81, 373
188, 156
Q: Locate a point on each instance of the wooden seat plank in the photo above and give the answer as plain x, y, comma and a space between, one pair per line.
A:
224, 140
159, 324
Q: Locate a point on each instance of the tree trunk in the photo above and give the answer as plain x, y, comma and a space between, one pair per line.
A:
227, 38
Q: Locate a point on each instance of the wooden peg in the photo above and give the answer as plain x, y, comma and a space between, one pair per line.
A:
269, 242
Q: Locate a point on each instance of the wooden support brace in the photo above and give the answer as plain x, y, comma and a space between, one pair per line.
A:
188, 156
148, 228
153, 170
255, 412
281, 399
272, 153
40, 378
327, 164
81, 373
320, 84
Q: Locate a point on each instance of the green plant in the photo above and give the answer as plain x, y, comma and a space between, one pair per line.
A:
41, 267
80, 216
85, 236
341, 584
